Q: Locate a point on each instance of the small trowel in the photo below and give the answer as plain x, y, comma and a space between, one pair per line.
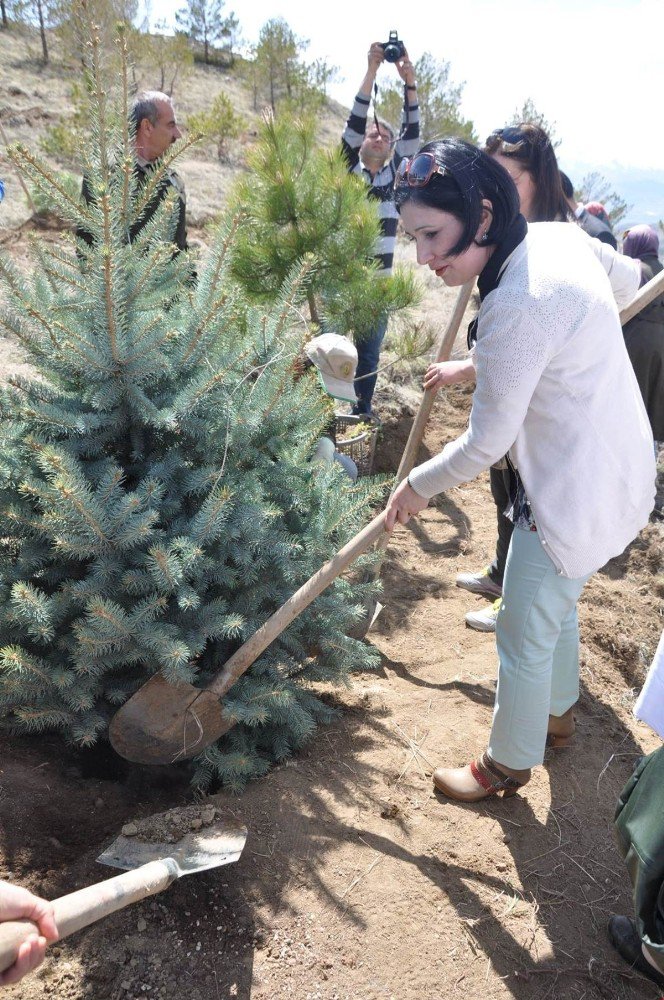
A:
149, 868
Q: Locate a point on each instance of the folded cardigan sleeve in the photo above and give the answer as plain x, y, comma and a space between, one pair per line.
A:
623, 272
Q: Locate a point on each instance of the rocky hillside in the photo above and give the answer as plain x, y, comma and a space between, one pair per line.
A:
34, 97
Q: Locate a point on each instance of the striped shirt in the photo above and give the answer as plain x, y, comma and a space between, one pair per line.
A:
381, 185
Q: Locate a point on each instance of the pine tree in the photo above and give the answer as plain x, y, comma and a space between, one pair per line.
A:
298, 199
157, 500
202, 21
219, 122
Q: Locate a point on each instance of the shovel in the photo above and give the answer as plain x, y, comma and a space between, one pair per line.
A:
163, 723
149, 867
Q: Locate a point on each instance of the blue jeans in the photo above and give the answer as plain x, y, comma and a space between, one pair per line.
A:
537, 635
368, 355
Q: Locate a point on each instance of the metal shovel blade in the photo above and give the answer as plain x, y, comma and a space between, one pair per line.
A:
167, 723
215, 845
163, 723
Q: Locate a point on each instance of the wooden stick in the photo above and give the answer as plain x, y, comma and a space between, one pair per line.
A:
643, 297
242, 658
443, 352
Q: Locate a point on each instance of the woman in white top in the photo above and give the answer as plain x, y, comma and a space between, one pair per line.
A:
555, 392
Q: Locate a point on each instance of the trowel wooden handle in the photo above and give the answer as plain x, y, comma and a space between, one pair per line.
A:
308, 592
84, 907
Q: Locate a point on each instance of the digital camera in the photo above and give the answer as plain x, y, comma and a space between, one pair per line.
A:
393, 48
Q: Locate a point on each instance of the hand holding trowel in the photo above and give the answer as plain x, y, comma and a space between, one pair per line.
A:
151, 867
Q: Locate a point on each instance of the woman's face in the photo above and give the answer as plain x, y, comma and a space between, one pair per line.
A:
435, 233
523, 181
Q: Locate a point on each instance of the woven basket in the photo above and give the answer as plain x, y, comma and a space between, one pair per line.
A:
361, 449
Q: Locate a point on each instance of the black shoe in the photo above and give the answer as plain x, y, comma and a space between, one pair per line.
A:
626, 941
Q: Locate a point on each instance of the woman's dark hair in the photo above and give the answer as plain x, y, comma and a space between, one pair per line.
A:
469, 177
531, 148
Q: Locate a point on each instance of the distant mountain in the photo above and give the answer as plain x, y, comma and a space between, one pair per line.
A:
642, 189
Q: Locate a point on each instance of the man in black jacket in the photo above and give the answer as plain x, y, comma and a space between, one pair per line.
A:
153, 116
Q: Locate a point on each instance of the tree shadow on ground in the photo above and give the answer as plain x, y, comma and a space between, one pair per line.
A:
476, 692
563, 867
405, 582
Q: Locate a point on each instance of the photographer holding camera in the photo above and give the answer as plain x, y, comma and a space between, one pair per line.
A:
374, 152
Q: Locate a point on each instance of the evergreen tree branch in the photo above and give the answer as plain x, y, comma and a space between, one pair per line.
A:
45, 180
127, 164
108, 279
145, 332
160, 254
203, 325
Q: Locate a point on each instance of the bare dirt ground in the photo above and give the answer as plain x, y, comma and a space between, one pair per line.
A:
357, 880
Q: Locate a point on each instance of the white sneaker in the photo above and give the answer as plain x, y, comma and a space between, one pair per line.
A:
479, 583
484, 620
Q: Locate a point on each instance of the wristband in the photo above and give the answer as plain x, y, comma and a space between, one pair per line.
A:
410, 86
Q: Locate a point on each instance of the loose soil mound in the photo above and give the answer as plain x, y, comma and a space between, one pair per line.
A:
171, 826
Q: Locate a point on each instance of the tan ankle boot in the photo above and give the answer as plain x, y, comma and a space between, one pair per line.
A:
478, 780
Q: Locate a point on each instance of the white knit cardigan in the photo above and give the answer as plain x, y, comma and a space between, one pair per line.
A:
555, 389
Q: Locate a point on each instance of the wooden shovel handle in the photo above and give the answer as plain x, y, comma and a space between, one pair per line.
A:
442, 354
236, 665
643, 297
84, 907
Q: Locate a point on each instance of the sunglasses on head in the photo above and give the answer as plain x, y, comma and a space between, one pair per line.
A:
508, 139
418, 170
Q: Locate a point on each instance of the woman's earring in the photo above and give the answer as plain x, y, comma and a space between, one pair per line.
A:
485, 236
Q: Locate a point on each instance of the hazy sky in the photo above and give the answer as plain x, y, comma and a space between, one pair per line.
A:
594, 67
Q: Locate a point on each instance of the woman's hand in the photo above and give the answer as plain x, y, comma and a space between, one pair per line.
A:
17, 903
404, 503
448, 373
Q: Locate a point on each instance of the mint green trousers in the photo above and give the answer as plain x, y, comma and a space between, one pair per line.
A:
537, 635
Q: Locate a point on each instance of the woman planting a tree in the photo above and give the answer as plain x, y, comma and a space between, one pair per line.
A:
556, 393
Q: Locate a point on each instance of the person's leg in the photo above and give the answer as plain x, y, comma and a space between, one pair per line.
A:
368, 357
640, 839
565, 666
500, 493
489, 581
536, 628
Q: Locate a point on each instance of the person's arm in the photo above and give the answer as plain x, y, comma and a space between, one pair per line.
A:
409, 138
356, 126
511, 353
17, 903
